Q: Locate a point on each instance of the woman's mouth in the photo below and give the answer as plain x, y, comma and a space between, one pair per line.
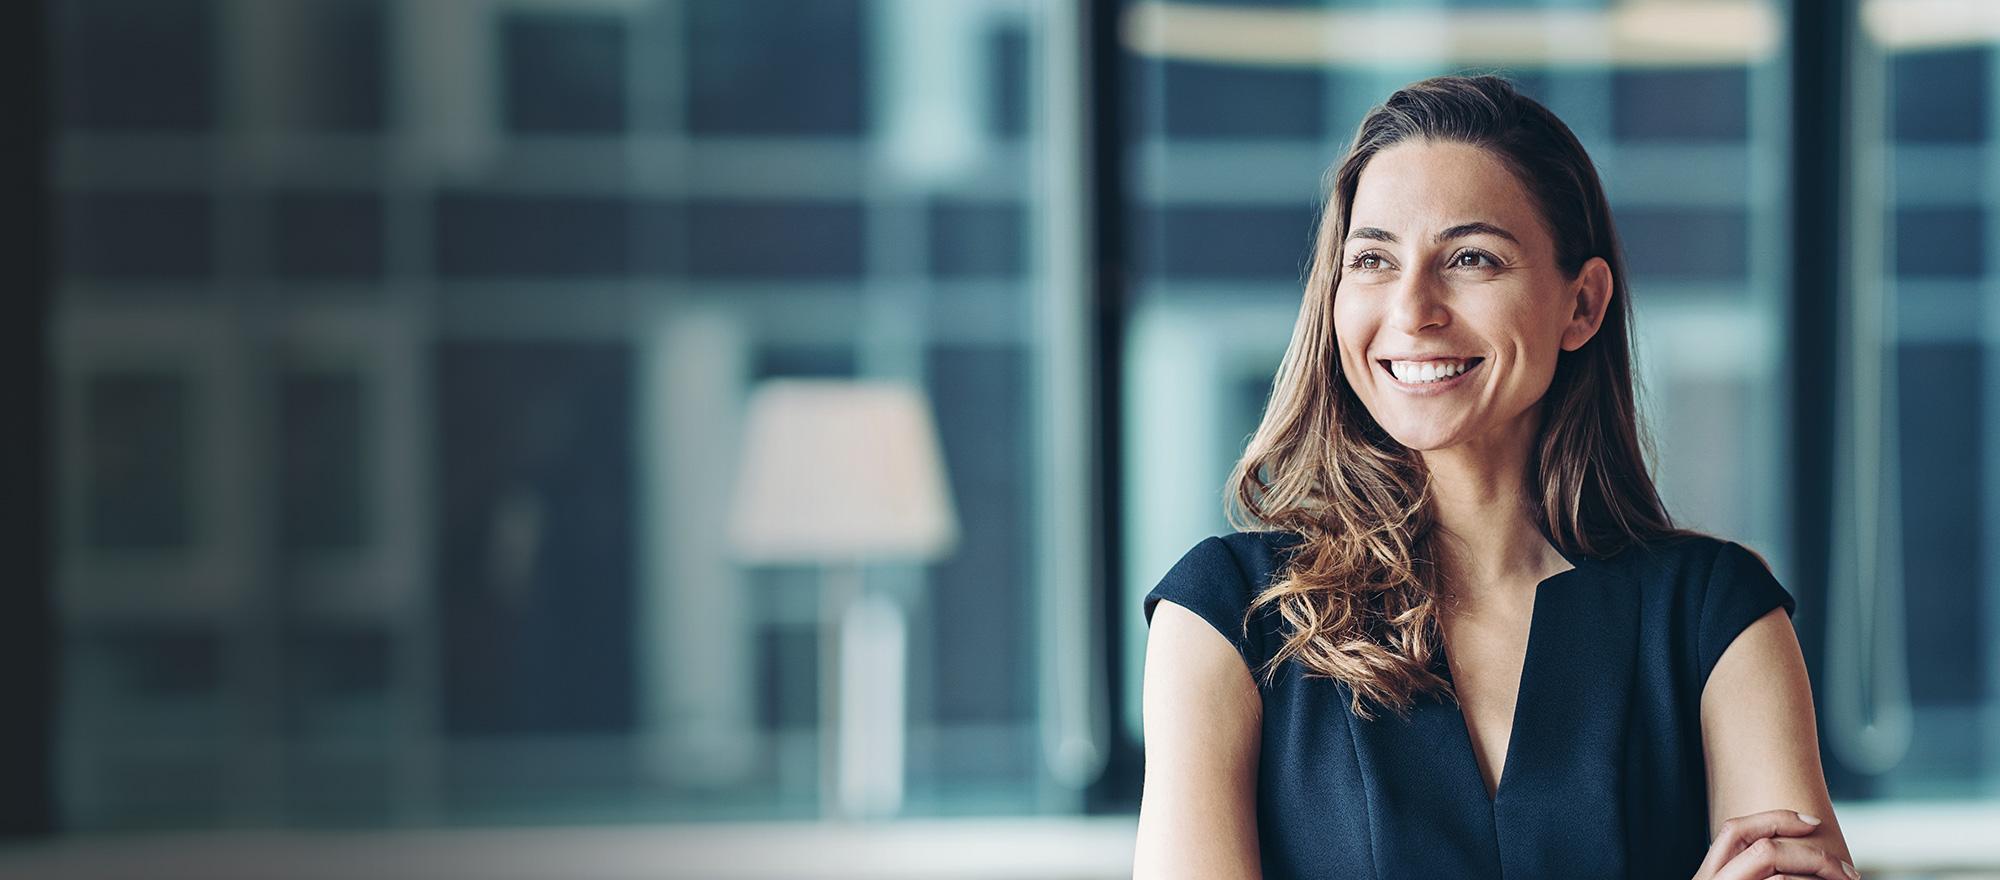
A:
1429, 377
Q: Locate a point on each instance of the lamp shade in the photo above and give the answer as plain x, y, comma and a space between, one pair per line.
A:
840, 470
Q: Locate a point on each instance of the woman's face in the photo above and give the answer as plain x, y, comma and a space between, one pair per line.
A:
1447, 266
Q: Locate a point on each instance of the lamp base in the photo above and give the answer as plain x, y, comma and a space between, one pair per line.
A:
862, 724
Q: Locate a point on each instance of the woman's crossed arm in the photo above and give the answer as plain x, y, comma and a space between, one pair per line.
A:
1762, 750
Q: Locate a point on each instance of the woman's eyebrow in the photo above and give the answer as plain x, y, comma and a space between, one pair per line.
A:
1460, 231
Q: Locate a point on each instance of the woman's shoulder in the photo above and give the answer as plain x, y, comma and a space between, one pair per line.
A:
1708, 587
1686, 558
1236, 565
1260, 553
1218, 578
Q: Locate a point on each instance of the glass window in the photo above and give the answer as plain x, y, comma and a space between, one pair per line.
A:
404, 356
1240, 110
1909, 710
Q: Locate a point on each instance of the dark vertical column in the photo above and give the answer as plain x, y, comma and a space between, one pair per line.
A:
1117, 789
1821, 155
27, 665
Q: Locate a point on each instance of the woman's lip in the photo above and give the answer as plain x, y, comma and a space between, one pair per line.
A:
1429, 388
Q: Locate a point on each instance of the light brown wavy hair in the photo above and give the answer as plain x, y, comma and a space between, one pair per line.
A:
1360, 593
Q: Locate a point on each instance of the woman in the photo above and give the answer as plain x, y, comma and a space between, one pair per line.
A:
1456, 633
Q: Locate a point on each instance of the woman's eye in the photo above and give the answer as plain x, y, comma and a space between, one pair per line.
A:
1372, 261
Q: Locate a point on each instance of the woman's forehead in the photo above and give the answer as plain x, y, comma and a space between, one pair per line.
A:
1416, 189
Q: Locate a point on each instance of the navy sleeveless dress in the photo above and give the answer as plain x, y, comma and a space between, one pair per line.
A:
1604, 775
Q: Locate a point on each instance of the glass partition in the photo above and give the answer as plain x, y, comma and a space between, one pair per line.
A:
1913, 709
404, 349
1239, 109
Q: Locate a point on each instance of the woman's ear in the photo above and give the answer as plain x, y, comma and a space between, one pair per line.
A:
1589, 298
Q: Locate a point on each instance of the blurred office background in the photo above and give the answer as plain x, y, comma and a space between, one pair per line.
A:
392, 367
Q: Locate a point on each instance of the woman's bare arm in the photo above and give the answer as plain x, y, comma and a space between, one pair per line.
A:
1203, 727
1758, 733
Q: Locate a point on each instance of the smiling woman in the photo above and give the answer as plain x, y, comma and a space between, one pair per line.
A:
1449, 290
1445, 513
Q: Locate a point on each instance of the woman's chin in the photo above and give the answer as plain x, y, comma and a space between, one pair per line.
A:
1427, 438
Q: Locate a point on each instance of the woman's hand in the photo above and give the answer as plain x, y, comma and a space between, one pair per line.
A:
1754, 847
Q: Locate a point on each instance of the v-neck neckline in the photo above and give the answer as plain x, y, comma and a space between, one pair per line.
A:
1426, 803
1536, 621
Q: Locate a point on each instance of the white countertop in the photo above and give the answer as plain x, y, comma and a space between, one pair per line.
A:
1954, 839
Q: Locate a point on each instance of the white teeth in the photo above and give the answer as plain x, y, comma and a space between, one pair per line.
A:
1420, 372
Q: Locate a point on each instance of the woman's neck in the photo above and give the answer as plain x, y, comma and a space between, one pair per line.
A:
1490, 547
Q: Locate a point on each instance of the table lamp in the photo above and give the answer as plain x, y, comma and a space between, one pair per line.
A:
840, 473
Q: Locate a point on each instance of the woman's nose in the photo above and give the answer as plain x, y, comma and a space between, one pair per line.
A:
1417, 302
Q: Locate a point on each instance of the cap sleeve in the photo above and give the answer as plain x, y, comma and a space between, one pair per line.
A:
1208, 581
1741, 589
